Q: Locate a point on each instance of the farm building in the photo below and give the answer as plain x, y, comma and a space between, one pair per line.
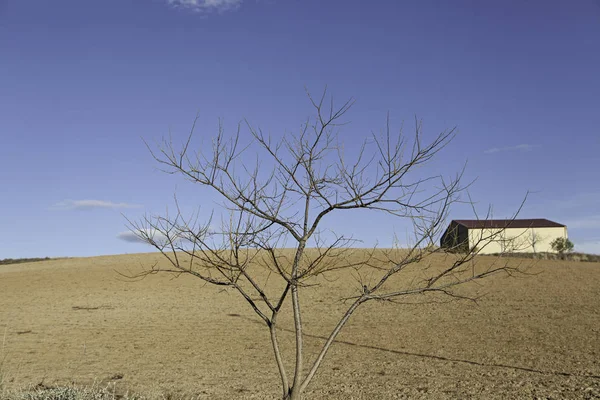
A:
502, 235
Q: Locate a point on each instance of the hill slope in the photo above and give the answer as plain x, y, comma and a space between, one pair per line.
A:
79, 320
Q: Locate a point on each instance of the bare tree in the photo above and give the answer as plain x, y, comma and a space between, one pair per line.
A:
284, 196
534, 240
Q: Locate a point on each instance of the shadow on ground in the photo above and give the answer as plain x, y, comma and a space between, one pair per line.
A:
432, 357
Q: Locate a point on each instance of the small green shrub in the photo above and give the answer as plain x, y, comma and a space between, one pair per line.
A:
562, 245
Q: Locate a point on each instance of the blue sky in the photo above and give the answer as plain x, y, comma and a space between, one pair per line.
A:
81, 82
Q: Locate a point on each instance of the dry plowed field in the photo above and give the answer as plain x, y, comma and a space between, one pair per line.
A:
77, 320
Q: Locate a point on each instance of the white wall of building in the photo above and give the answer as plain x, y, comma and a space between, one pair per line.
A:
514, 240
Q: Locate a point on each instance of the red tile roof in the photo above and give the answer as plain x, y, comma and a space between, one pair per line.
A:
508, 223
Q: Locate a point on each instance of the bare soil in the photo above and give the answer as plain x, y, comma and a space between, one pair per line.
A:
77, 320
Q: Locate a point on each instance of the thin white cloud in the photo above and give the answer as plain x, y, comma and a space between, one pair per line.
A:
519, 147
207, 5
589, 222
579, 200
589, 246
132, 237
154, 234
92, 204
140, 235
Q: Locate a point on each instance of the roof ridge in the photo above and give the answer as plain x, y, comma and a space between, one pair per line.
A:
509, 223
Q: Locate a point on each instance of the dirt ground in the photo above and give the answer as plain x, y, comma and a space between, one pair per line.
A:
77, 320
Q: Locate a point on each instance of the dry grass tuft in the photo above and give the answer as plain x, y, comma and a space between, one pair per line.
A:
78, 392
